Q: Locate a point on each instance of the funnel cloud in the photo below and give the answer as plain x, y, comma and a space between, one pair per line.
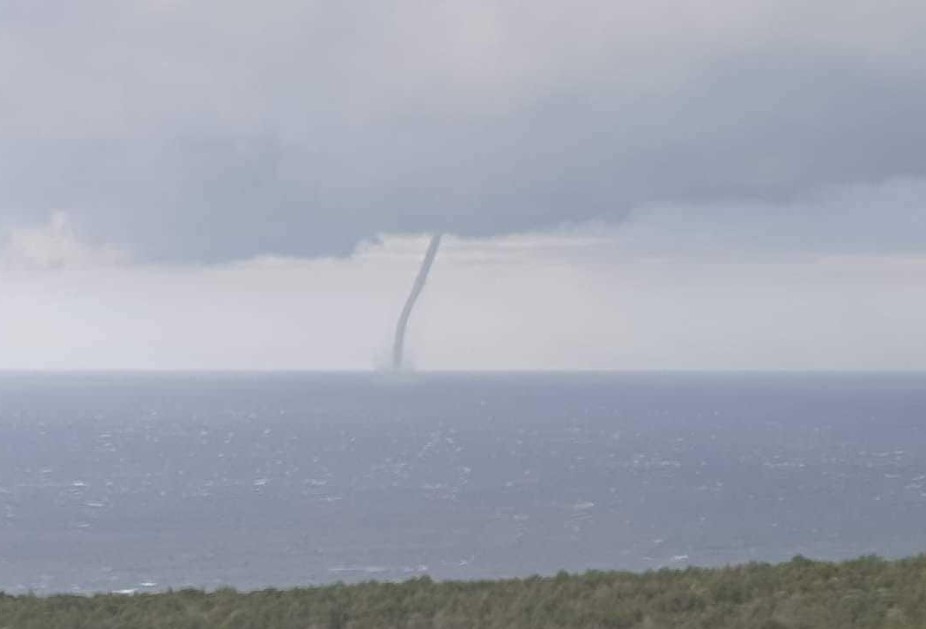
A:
398, 345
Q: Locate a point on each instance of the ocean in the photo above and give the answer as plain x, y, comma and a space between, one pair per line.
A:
143, 482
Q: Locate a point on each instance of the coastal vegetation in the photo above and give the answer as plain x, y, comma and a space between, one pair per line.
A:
799, 594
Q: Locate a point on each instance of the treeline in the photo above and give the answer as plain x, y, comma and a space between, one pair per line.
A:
800, 594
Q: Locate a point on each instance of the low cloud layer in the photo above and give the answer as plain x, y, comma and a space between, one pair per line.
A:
204, 131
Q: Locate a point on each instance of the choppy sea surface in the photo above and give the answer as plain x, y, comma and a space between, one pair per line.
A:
142, 482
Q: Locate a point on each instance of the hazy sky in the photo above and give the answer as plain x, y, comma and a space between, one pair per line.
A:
659, 185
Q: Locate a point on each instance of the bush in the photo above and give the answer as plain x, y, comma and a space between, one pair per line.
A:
863, 593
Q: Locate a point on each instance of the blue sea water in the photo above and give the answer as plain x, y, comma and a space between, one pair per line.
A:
144, 482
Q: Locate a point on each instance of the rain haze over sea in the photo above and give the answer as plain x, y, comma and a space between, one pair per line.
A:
144, 482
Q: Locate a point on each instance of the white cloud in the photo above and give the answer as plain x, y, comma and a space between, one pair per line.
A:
55, 245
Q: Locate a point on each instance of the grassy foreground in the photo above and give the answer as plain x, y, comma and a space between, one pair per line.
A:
866, 592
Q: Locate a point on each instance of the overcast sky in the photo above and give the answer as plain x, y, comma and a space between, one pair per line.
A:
659, 185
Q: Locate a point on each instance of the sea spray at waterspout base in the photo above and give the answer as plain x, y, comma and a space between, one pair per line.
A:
398, 345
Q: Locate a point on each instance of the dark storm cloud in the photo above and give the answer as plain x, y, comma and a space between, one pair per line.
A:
284, 162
